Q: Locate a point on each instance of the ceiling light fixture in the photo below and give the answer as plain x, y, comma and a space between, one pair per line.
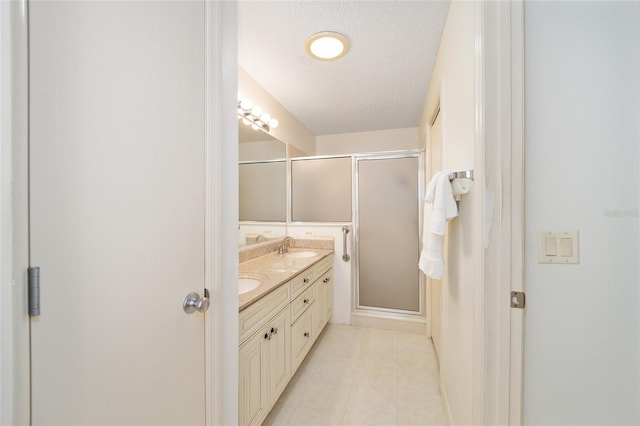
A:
254, 116
327, 46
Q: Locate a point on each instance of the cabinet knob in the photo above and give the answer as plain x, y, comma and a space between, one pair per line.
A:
326, 280
305, 301
306, 280
306, 334
267, 336
274, 330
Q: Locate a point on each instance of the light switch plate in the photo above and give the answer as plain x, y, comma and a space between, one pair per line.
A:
559, 247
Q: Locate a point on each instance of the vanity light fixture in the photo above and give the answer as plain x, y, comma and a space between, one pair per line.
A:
327, 46
253, 115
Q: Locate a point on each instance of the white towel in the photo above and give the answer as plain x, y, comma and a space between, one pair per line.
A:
461, 187
440, 195
440, 206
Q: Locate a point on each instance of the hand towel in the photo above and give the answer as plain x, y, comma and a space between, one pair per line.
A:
440, 206
440, 195
460, 187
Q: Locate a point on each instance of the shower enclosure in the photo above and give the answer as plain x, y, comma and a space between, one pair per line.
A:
379, 194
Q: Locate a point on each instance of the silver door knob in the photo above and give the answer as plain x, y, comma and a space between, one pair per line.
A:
193, 302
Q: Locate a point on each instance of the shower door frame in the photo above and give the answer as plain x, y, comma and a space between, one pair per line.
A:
372, 310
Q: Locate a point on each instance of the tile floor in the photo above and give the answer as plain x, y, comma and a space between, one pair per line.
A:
363, 376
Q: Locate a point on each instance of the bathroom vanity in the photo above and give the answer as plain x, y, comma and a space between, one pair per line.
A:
287, 305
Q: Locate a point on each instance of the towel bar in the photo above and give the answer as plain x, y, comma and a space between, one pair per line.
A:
467, 174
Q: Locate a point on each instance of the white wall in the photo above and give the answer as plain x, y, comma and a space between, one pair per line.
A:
373, 141
452, 85
582, 83
262, 150
290, 131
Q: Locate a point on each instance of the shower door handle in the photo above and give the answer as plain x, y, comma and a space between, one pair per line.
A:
345, 231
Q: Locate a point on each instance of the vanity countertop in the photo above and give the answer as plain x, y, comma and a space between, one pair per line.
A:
273, 270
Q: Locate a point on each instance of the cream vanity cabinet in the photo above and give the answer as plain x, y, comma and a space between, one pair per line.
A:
276, 333
264, 357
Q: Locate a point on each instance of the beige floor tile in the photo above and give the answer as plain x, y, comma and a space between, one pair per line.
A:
414, 361
414, 343
301, 417
280, 414
362, 376
327, 400
374, 373
420, 415
370, 408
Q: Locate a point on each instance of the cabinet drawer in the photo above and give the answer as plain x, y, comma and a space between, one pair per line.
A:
322, 266
301, 337
302, 281
256, 315
302, 302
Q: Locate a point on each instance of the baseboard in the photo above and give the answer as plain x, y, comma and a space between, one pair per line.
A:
445, 405
373, 320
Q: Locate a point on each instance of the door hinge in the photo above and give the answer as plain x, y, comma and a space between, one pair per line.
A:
518, 300
34, 291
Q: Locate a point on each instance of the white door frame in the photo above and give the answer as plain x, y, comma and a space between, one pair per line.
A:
14, 254
497, 389
221, 209
221, 337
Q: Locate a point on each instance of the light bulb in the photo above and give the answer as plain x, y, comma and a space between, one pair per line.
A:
273, 123
246, 104
254, 127
265, 117
245, 122
256, 111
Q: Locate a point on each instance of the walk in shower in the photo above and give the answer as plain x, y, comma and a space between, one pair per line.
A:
377, 195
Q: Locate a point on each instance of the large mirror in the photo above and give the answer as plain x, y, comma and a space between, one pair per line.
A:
263, 186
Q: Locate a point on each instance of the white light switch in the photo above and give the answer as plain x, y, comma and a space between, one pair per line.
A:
561, 247
566, 247
550, 246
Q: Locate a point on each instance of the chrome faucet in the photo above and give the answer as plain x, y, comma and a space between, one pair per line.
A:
286, 243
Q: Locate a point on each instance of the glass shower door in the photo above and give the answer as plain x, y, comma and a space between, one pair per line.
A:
387, 221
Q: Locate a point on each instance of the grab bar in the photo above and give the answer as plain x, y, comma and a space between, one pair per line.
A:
345, 231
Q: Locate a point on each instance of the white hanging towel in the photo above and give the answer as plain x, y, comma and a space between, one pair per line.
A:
440, 206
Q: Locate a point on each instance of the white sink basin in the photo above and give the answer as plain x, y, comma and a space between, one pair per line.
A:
247, 284
301, 254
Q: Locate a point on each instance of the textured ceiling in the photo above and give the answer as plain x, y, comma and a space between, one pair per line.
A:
380, 84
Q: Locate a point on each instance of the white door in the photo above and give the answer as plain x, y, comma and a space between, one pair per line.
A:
117, 211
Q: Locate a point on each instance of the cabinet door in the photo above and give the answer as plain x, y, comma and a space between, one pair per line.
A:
279, 355
328, 295
302, 336
253, 387
324, 302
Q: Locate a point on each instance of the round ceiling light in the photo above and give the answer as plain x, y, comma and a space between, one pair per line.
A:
327, 46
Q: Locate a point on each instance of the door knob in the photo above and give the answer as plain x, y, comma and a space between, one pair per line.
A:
193, 302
